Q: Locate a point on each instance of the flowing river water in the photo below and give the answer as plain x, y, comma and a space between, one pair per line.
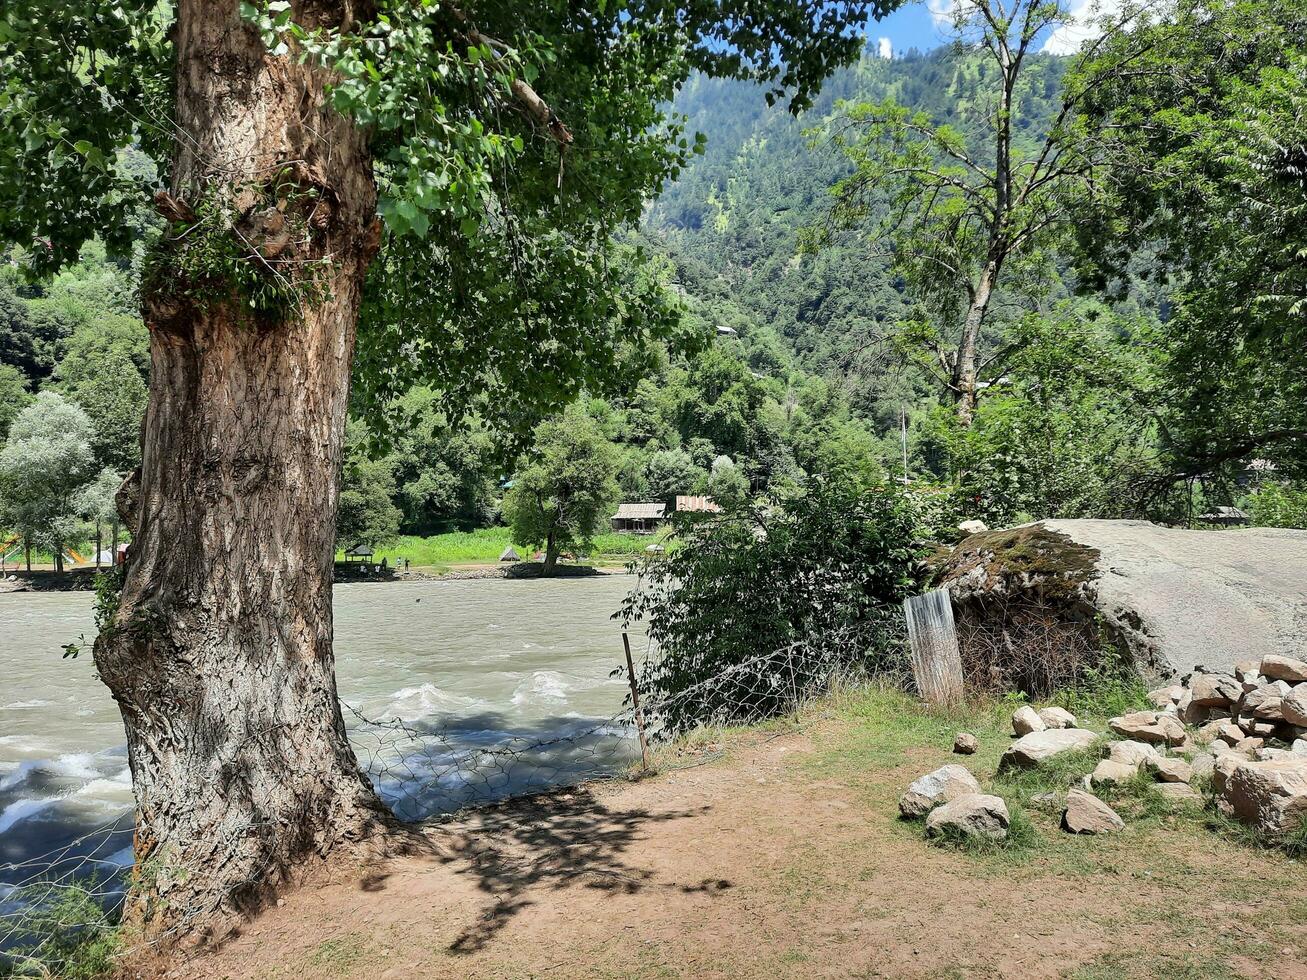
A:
455, 692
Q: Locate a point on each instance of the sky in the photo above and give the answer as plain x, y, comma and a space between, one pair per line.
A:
926, 24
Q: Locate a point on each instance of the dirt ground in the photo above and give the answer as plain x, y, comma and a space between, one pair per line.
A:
779, 854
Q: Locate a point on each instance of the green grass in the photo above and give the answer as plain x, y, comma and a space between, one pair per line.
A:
885, 729
339, 956
485, 545
68, 936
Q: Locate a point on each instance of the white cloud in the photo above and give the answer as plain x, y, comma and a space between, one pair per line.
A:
943, 12
884, 48
1080, 25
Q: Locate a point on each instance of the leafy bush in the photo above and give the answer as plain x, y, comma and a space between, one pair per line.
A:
65, 933
760, 605
1278, 505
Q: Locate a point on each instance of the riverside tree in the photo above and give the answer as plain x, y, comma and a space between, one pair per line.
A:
455, 173
972, 212
1203, 163
560, 498
98, 504
43, 467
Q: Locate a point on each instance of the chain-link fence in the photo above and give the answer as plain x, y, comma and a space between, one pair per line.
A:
51, 901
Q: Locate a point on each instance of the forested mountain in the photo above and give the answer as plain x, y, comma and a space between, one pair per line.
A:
732, 220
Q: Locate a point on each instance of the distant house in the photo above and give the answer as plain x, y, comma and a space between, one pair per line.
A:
697, 505
639, 518
726, 332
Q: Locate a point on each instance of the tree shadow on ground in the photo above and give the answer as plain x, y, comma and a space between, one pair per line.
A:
557, 840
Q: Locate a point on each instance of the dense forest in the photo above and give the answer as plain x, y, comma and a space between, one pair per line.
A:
804, 348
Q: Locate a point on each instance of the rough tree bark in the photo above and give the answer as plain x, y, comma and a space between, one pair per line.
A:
220, 653
551, 554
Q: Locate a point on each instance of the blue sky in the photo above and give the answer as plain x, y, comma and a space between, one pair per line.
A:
926, 24
911, 26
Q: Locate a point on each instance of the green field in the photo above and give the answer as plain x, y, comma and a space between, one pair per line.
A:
486, 544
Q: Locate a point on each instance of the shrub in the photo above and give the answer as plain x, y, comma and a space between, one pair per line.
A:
761, 605
64, 933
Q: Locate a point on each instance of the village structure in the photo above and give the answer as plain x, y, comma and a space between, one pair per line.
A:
646, 518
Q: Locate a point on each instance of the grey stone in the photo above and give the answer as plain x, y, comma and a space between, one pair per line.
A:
1132, 753
1055, 717
965, 743
1171, 770
1294, 705
1026, 720
1264, 704
1271, 796
1164, 696
1087, 814
1030, 750
1112, 773
1226, 764
944, 784
975, 815
1249, 671
1230, 733
1214, 690
1149, 726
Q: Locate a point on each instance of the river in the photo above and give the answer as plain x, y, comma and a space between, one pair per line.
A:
455, 692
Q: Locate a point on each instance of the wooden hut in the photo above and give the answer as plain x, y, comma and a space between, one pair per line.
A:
642, 518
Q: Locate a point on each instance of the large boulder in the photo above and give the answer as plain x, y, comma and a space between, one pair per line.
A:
1173, 597
976, 815
1294, 706
1271, 796
944, 784
1030, 750
1214, 690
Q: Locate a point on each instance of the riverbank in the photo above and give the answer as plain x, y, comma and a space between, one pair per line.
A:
777, 852
83, 579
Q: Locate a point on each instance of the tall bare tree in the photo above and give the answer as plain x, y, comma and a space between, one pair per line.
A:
966, 213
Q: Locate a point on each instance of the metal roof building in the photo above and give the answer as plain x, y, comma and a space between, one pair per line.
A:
640, 518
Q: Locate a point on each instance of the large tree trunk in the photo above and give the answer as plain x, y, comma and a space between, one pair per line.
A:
551, 555
220, 655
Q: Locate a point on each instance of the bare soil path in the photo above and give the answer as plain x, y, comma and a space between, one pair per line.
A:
785, 858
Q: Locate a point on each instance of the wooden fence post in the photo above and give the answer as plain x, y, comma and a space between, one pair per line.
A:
635, 703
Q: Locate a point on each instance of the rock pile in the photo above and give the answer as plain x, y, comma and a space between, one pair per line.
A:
1254, 722
952, 801
1246, 730
1262, 700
